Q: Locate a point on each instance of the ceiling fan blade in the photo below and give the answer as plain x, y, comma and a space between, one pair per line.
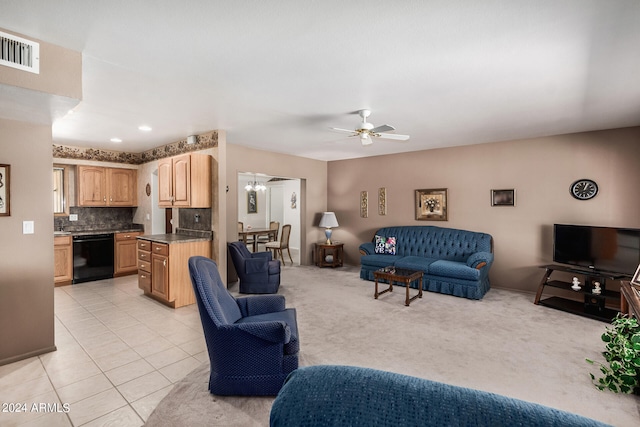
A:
393, 136
343, 130
382, 128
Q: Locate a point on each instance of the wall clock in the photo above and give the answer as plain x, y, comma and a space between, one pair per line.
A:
584, 189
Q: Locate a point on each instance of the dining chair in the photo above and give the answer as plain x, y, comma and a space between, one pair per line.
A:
274, 226
281, 244
248, 240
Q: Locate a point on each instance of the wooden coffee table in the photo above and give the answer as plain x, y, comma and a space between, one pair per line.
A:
399, 275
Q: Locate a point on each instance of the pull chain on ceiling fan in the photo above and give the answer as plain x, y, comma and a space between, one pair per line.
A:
366, 131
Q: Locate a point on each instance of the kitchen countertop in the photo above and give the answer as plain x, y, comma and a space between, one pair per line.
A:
91, 232
173, 238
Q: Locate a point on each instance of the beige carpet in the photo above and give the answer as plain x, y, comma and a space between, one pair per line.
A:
503, 344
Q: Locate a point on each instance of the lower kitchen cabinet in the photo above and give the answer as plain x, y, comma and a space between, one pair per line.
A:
160, 271
63, 260
125, 258
163, 271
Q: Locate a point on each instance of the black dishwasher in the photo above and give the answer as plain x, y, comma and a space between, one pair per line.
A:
92, 257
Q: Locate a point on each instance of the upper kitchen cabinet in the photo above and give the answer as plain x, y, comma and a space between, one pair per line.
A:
100, 186
185, 181
122, 187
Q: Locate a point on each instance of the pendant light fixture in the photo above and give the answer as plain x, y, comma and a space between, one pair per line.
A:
255, 185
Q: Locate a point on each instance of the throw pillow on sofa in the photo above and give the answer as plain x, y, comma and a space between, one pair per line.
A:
385, 245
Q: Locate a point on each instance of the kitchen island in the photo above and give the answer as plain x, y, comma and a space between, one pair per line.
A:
163, 272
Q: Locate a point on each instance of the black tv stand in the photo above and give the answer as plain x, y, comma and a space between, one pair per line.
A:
591, 305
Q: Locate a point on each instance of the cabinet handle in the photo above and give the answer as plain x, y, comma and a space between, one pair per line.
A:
127, 236
142, 276
164, 262
104, 199
142, 245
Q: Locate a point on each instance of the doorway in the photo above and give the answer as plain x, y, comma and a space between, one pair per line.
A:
279, 202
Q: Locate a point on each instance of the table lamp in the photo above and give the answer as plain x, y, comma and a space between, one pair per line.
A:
327, 221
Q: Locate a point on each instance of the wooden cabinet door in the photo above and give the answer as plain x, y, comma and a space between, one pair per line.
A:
165, 182
126, 260
63, 260
160, 276
123, 187
92, 186
200, 191
182, 180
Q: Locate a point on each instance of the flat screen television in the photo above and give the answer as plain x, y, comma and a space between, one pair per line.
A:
602, 249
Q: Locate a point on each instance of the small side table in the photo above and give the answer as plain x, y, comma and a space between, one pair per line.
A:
329, 255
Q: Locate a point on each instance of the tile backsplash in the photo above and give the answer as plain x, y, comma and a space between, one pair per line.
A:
195, 219
96, 219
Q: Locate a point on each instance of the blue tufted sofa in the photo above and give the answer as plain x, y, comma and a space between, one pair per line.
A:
362, 397
455, 262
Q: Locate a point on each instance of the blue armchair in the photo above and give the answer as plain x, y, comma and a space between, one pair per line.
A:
258, 272
252, 341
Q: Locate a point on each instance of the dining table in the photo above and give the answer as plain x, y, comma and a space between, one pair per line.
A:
257, 232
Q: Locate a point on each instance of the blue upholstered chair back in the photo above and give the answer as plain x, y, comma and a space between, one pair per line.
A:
211, 292
241, 251
436, 242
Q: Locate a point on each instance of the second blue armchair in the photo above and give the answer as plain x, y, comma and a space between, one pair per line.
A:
258, 272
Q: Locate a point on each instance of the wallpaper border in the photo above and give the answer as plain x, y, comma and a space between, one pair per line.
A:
204, 141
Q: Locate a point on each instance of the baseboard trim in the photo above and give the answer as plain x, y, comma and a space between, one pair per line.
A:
27, 355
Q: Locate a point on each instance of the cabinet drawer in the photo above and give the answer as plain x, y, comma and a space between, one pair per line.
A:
144, 245
61, 240
144, 266
144, 256
160, 248
144, 281
127, 236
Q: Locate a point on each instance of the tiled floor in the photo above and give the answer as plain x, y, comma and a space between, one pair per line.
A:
118, 355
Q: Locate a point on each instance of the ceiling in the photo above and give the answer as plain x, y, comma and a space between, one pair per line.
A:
276, 75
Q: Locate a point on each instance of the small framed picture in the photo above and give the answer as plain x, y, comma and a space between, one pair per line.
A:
503, 197
431, 204
252, 202
5, 194
636, 277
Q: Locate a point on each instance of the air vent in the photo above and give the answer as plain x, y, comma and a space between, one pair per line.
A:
16, 52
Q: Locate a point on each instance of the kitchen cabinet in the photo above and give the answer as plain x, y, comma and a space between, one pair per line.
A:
144, 265
185, 181
122, 187
100, 186
125, 256
63, 260
163, 271
160, 271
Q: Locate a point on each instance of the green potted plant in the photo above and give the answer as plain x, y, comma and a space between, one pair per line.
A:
621, 374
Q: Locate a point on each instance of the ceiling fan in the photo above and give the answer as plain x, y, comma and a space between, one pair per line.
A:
366, 131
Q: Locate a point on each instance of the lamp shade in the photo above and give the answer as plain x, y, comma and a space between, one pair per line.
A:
328, 220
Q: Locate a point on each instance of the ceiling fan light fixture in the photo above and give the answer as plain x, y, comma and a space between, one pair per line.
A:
365, 140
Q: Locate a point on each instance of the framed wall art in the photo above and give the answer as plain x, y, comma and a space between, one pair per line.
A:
252, 202
364, 204
431, 204
382, 201
5, 193
503, 197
